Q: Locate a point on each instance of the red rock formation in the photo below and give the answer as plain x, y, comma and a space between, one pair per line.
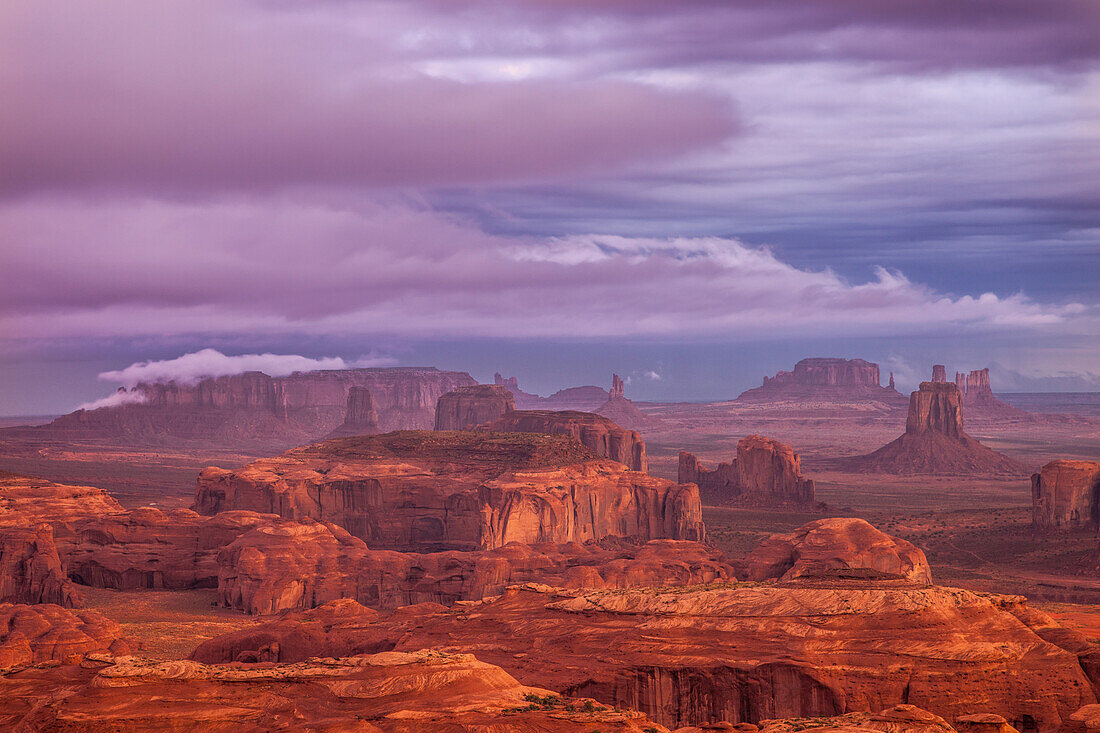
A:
604, 437
1066, 494
27, 500
764, 473
466, 490
468, 407
839, 547
897, 719
255, 410
381, 693
30, 570
977, 395
934, 441
741, 653
299, 566
31, 634
619, 409
361, 418
824, 379
586, 399
939, 373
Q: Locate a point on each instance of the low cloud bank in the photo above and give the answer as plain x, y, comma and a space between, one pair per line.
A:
118, 399
194, 367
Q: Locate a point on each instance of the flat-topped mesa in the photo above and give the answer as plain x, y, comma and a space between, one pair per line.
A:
599, 433
619, 409
838, 548
936, 406
1066, 494
361, 418
467, 407
764, 473
466, 490
253, 409
824, 379
297, 566
934, 441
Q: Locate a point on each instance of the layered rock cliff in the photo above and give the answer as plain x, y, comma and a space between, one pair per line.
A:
295, 566
739, 653
256, 410
597, 432
1066, 494
764, 473
824, 379
934, 441
469, 490
468, 407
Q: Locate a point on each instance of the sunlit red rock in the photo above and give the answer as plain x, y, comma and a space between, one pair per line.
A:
1066, 494
837, 547
901, 718
30, 569
468, 407
46, 632
764, 473
467, 490
599, 433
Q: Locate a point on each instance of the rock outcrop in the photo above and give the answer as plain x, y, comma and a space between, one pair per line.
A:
977, 395
1066, 494
254, 410
468, 407
619, 409
939, 373
32, 634
469, 490
30, 569
819, 379
897, 719
360, 418
764, 473
838, 548
597, 432
934, 441
739, 653
390, 692
296, 566
585, 399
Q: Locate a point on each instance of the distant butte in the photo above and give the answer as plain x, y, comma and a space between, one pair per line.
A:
822, 379
765, 473
934, 441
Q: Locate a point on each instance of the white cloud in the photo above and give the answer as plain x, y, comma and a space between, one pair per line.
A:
119, 398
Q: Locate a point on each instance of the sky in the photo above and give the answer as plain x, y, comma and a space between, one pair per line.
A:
690, 193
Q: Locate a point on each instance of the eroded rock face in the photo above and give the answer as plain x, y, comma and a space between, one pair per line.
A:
764, 473
897, 719
30, 569
934, 441
468, 407
390, 692
747, 653
619, 409
295, 566
1066, 494
838, 547
469, 490
939, 373
361, 418
46, 632
598, 433
256, 410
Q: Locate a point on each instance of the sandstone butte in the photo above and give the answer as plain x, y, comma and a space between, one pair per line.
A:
934, 441
1066, 494
732, 652
619, 409
360, 418
764, 473
467, 407
389, 692
837, 547
303, 565
468, 490
977, 394
603, 436
585, 399
825, 379
254, 410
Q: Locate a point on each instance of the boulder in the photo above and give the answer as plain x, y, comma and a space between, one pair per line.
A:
469, 490
468, 407
1066, 494
838, 547
603, 436
764, 473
